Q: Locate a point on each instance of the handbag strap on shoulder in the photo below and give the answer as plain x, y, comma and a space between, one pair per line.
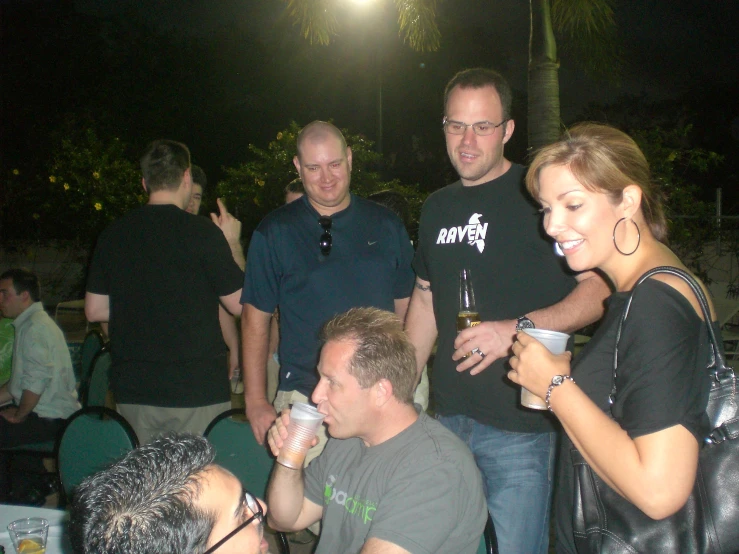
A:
717, 364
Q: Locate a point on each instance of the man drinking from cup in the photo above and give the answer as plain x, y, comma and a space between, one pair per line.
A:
390, 479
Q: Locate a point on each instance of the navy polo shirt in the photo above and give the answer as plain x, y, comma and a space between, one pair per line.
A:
369, 265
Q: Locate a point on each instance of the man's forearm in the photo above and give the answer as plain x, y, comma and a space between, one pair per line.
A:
27, 404
583, 306
5, 395
229, 331
285, 496
420, 324
238, 253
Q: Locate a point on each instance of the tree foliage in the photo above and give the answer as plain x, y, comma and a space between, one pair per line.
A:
683, 170
94, 179
319, 23
589, 33
676, 163
88, 182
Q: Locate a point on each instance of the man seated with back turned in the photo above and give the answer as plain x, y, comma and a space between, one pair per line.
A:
390, 479
167, 497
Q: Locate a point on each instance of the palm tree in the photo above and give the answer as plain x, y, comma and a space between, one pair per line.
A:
590, 29
588, 24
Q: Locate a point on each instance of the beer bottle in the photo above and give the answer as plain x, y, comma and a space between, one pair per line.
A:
467, 315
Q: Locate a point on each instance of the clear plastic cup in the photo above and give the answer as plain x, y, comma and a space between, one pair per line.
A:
29, 535
556, 343
304, 423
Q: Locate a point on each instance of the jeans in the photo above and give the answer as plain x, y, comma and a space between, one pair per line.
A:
517, 473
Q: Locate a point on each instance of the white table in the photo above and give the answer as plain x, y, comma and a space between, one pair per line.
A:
57, 542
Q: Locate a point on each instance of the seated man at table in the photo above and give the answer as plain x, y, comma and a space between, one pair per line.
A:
42, 386
166, 496
391, 479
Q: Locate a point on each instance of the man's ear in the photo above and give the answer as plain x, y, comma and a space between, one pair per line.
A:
383, 391
143, 185
508, 128
296, 163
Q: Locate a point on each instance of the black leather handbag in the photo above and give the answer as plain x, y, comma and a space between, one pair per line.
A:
606, 523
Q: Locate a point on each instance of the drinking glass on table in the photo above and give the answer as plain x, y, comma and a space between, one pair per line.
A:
29, 535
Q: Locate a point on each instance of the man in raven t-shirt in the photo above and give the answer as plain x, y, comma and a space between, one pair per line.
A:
158, 276
485, 223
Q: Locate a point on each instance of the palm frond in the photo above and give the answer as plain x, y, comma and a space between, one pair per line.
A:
590, 33
316, 18
417, 24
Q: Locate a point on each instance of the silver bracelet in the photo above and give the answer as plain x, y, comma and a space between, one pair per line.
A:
557, 380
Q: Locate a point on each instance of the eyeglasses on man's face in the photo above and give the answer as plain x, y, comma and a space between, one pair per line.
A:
326, 240
481, 128
257, 514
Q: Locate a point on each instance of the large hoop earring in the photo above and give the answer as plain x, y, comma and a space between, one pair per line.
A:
638, 237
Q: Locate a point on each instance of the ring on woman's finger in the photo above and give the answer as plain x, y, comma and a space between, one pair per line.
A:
477, 351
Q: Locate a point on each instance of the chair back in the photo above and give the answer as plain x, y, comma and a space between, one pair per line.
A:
93, 438
488, 540
239, 452
96, 389
92, 344
70, 316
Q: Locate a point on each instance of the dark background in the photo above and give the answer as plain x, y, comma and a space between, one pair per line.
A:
219, 75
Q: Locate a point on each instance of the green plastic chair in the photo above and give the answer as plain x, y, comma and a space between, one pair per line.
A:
93, 439
92, 344
239, 452
96, 388
488, 540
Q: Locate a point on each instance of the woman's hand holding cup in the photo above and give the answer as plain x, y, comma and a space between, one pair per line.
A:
534, 365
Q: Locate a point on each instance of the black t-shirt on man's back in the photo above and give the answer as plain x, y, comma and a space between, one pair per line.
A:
164, 271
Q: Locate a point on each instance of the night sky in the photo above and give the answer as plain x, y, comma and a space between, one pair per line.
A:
267, 75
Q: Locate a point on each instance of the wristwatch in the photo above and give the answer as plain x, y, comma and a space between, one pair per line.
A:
524, 322
557, 380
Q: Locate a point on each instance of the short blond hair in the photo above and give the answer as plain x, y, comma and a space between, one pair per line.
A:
382, 349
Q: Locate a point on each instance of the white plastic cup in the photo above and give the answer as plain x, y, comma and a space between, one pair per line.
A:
304, 423
29, 535
556, 343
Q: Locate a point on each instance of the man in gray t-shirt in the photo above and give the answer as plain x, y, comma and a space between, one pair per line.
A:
391, 479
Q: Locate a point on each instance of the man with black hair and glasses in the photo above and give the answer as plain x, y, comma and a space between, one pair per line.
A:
320, 255
486, 223
167, 496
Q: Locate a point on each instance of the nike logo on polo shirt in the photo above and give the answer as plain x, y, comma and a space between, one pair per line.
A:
371, 242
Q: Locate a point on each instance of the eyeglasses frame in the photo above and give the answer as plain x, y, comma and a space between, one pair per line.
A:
257, 514
474, 130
